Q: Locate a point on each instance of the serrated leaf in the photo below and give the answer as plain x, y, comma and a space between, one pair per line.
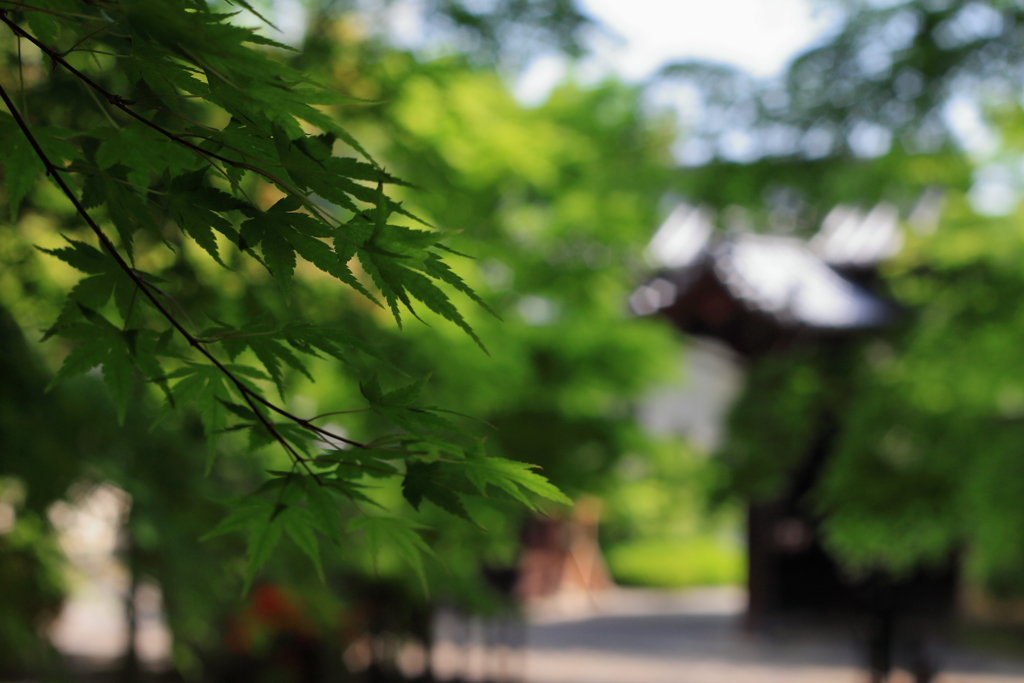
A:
244, 516
416, 420
207, 388
513, 478
401, 535
43, 26
82, 359
346, 251
370, 389
22, 165
198, 223
264, 536
331, 340
425, 480
298, 523
118, 374
325, 510
353, 464
144, 152
403, 396
170, 55
434, 266
82, 256
271, 353
249, 7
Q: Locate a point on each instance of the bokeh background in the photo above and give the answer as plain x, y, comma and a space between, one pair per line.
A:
761, 267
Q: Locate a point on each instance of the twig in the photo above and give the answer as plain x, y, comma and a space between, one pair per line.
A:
217, 337
102, 52
21, 78
339, 412
122, 104
175, 114
105, 27
57, 13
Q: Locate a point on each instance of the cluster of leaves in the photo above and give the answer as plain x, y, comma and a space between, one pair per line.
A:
156, 168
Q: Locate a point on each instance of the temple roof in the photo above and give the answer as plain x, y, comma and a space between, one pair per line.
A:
712, 284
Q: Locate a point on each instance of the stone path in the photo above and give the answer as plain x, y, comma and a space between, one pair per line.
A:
696, 637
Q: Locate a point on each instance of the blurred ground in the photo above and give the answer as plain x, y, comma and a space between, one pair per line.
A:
649, 636
641, 636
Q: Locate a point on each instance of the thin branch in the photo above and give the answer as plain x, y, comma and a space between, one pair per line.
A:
181, 309
21, 78
217, 337
224, 144
339, 412
164, 97
53, 171
122, 104
102, 52
307, 424
57, 13
183, 118
115, 100
92, 170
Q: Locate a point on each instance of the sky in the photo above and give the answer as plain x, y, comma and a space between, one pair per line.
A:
759, 36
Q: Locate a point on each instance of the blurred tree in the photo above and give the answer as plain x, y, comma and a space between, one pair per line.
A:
905, 103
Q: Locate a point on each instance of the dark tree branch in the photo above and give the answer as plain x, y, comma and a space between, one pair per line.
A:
53, 171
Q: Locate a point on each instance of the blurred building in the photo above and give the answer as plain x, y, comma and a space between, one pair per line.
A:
741, 297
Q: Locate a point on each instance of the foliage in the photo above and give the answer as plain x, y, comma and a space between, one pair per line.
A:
925, 457
198, 138
678, 563
656, 528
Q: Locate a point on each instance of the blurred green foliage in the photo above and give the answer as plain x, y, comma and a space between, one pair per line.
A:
679, 563
926, 457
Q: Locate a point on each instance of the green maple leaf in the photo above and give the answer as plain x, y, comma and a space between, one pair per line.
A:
399, 534
513, 477
428, 480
